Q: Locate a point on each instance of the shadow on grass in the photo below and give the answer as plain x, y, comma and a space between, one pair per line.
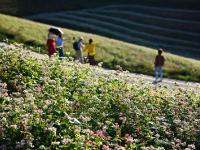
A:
4, 36
30, 44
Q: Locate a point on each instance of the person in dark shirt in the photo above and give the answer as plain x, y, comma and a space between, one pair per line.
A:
78, 46
159, 63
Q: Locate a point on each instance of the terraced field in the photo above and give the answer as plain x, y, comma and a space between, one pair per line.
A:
176, 30
12, 9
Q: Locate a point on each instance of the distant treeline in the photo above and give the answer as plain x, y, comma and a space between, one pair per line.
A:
27, 7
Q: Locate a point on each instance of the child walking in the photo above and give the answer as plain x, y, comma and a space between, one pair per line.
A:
90, 48
159, 63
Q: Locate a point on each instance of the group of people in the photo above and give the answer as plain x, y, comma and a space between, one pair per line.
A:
80, 47
55, 43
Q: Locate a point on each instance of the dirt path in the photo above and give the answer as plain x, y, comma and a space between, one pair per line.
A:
150, 79
166, 81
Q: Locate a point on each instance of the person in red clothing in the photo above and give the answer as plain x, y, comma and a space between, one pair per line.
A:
51, 43
159, 63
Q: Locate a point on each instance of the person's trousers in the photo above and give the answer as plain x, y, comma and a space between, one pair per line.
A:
61, 52
158, 72
79, 56
91, 60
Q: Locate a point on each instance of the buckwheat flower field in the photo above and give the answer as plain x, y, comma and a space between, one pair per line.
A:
53, 104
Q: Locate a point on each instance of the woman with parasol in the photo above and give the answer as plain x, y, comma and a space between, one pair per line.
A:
52, 38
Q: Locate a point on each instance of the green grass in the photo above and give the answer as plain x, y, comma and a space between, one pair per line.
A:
112, 52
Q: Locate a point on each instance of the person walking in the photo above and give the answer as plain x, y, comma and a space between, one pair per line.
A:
51, 44
159, 63
78, 46
59, 46
91, 50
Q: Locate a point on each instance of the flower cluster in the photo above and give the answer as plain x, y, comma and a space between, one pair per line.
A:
54, 104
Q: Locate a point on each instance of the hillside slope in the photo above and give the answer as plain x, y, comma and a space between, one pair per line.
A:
111, 52
55, 104
176, 30
170, 83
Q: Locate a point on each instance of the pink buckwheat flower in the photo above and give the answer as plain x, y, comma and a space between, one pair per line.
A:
106, 147
128, 139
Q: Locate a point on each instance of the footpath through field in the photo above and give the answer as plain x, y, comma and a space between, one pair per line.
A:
146, 78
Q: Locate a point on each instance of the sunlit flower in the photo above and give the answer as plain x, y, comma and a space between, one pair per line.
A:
100, 134
55, 143
14, 126
191, 146
105, 147
128, 139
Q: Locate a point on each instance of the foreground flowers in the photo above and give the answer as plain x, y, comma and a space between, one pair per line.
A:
53, 104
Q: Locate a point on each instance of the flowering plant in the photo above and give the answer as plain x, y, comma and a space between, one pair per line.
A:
54, 104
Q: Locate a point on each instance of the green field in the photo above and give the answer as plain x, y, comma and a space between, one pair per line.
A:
111, 52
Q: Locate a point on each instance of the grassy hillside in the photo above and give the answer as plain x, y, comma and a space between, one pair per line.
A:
176, 30
112, 52
53, 104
